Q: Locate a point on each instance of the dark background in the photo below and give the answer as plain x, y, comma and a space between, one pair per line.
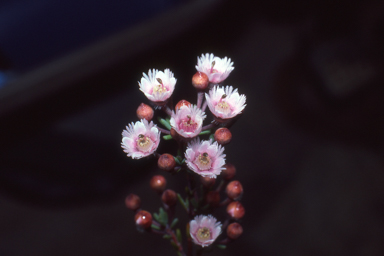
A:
308, 148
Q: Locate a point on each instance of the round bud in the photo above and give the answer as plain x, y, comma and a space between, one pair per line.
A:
166, 162
158, 183
144, 112
213, 198
132, 202
234, 230
223, 136
200, 81
182, 103
229, 172
169, 197
207, 181
234, 190
143, 219
236, 210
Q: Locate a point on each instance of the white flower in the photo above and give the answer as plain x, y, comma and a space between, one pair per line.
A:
187, 121
205, 158
225, 103
140, 139
204, 230
215, 68
158, 86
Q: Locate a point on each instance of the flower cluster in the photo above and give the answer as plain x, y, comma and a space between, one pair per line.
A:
197, 158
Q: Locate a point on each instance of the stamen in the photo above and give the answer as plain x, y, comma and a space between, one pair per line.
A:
212, 65
144, 143
160, 81
203, 161
204, 233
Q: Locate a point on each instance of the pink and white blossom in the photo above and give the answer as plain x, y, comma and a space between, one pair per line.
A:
158, 86
188, 121
140, 139
204, 230
215, 68
205, 158
225, 103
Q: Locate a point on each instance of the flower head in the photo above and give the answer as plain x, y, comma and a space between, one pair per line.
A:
215, 68
204, 230
140, 139
205, 158
158, 86
225, 103
187, 121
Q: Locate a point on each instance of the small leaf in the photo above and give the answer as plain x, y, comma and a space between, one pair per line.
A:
221, 246
212, 137
155, 227
163, 216
166, 236
182, 202
177, 160
167, 137
174, 245
178, 235
174, 222
205, 132
156, 216
165, 123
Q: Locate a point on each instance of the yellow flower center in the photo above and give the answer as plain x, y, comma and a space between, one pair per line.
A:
144, 143
223, 106
203, 162
204, 233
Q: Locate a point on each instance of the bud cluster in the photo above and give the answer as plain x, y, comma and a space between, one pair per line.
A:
200, 155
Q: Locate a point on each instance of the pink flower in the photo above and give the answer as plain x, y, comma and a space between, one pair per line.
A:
215, 68
204, 230
205, 158
225, 103
158, 86
140, 139
187, 121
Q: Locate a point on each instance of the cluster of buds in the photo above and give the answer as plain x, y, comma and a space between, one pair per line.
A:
208, 176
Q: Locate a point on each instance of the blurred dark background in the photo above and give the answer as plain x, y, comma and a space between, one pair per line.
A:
308, 148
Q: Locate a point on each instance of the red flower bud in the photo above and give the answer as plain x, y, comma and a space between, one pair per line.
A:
229, 172
207, 181
169, 197
200, 81
234, 230
132, 202
234, 190
236, 210
182, 103
143, 219
158, 183
212, 198
223, 136
144, 112
166, 162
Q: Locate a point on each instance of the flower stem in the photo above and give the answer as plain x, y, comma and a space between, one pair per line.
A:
209, 126
200, 96
163, 130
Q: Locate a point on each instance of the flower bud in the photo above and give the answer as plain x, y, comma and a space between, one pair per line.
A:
236, 210
229, 172
144, 112
200, 81
234, 230
223, 136
207, 182
234, 190
213, 198
169, 197
132, 202
174, 134
182, 103
166, 162
143, 219
158, 183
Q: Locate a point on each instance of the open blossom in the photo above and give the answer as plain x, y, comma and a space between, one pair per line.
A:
187, 121
140, 139
215, 68
158, 86
205, 158
204, 230
225, 102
